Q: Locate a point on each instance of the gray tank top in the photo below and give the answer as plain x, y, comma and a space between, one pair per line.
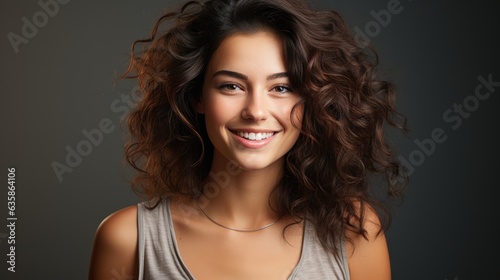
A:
159, 256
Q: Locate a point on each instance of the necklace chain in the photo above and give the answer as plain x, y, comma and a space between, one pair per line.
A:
234, 229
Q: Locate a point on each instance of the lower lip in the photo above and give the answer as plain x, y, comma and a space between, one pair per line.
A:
253, 144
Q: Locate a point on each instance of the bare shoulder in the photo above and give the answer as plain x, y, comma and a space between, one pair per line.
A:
115, 246
119, 227
368, 258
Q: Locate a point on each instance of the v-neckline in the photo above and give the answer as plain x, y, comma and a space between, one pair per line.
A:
170, 224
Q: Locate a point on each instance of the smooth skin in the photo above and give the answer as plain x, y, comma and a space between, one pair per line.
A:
246, 90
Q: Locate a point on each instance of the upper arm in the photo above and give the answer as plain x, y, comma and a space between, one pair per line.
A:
114, 252
369, 258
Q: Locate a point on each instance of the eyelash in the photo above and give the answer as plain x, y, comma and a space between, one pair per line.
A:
229, 86
286, 87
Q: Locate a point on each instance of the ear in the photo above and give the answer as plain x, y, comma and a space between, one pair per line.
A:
200, 107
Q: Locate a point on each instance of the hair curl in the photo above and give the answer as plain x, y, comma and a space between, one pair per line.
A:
342, 143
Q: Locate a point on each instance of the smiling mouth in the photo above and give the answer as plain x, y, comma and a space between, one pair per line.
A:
254, 136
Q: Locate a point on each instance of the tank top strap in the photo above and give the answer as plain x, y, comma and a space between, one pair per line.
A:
316, 262
158, 255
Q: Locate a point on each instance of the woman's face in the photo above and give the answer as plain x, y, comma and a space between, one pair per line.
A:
247, 100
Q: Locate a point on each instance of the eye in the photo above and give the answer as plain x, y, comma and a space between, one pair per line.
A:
282, 89
229, 87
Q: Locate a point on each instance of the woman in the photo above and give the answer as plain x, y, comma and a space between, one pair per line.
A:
259, 127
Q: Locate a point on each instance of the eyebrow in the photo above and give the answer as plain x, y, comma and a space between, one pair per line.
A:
244, 77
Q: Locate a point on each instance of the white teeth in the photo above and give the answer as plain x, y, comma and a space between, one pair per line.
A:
255, 136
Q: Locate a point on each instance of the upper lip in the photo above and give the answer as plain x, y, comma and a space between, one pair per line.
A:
254, 130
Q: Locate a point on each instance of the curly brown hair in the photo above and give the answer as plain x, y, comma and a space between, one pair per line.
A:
326, 176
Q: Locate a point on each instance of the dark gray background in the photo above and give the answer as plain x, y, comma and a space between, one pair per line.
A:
63, 81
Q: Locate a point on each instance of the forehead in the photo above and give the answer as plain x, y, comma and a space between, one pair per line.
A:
255, 52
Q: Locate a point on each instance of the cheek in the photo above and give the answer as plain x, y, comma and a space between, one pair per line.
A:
291, 116
218, 111
298, 115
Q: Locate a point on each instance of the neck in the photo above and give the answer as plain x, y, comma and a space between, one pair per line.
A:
240, 198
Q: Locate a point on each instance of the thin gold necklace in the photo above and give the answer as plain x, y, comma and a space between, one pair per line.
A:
234, 229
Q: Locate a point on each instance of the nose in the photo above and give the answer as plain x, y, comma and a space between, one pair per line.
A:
256, 107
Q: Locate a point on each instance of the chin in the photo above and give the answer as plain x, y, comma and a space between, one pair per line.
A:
256, 165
